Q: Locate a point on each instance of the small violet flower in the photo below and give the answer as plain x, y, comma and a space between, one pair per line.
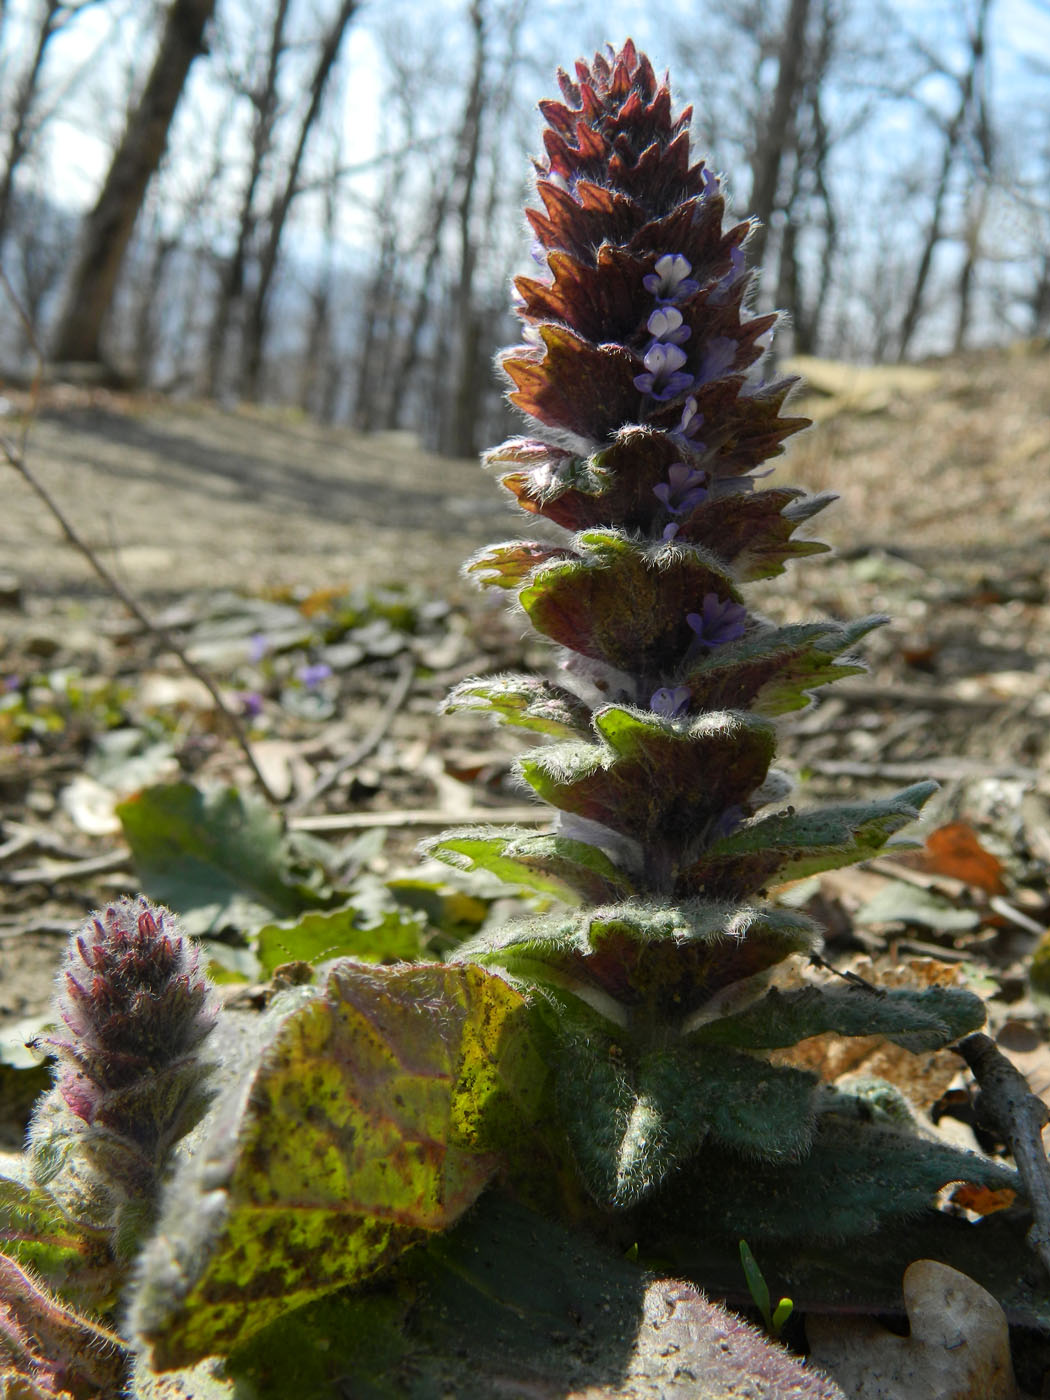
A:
683, 489
251, 704
720, 621
665, 324
313, 674
719, 357
670, 280
669, 701
258, 646
664, 377
737, 268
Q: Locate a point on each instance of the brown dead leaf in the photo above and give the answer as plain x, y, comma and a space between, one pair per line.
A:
955, 850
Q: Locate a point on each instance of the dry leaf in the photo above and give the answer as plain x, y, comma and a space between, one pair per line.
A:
955, 850
959, 1347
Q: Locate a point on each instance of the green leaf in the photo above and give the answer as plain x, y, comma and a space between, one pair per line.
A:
632, 1117
510, 1303
657, 780
394, 936
220, 859
375, 1119
525, 701
790, 846
756, 1283
772, 671
625, 603
915, 1020
857, 1177
554, 865
671, 958
68, 1255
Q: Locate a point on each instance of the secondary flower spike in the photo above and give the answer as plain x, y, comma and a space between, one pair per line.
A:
135, 1007
648, 431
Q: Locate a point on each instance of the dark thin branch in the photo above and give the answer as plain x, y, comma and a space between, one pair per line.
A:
1007, 1103
15, 453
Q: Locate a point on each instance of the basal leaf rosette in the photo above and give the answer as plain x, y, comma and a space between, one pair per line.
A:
650, 427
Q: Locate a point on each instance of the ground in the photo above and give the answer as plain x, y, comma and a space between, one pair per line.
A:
944, 523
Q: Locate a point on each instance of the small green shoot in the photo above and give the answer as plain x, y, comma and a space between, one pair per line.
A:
775, 1318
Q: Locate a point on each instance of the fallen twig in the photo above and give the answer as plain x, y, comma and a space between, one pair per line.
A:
52, 872
15, 452
420, 816
331, 775
940, 769
1008, 1105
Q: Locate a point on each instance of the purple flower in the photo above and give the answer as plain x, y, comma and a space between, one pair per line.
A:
737, 268
692, 422
664, 377
665, 324
251, 704
258, 646
669, 701
683, 489
670, 280
10, 683
720, 621
719, 358
313, 674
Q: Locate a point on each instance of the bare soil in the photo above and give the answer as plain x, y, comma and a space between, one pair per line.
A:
944, 522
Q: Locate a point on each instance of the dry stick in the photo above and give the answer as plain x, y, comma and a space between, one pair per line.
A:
397, 697
16, 457
1008, 1104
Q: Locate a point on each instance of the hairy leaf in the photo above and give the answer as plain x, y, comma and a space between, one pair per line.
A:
790, 846
657, 780
525, 701
858, 1177
374, 1119
672, 958
509, 1303
554, 865
772, 672
915, 1020
623, 603
631, 1118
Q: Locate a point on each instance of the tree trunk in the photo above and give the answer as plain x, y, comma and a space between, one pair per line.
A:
255, 324
459, 438
769, 148
109, 225
935, 229
18, 142
231, 277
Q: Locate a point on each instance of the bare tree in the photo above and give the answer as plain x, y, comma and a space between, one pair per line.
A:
53, 15
263, 98
953, 131
256, 318
109, 225
774, 134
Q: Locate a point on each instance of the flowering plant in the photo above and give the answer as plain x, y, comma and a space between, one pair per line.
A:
651, 424
605, 1065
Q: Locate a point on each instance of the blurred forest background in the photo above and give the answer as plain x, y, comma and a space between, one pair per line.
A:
318, 202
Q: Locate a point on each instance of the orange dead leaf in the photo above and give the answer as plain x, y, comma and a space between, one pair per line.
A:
954, 850
981, 1200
